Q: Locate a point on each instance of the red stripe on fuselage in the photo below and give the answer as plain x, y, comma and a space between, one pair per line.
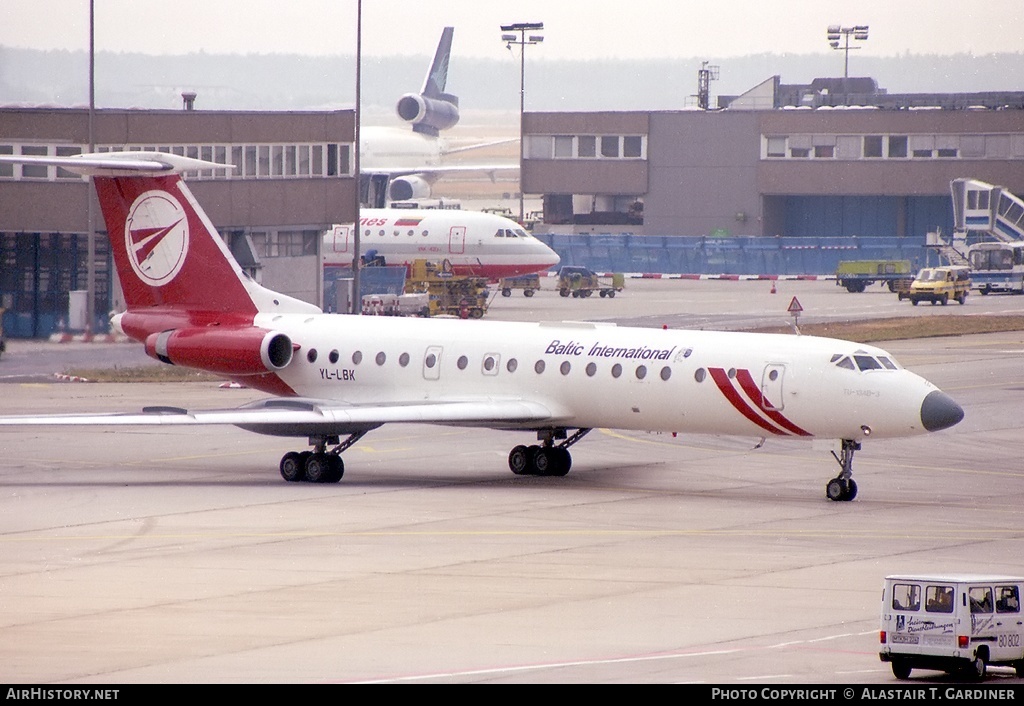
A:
762, 403
724, 384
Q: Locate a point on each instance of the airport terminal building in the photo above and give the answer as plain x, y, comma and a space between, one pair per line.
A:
837, 157
293, 178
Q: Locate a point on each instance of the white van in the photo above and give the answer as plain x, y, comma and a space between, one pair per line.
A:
954, 623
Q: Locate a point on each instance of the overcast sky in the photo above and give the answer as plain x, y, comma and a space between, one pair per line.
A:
583, 29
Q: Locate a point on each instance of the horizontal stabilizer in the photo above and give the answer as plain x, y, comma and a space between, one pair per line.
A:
119, 164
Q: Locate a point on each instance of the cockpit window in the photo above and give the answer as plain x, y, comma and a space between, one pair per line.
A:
866, 362
861, 360
500, 233
889, 365
844, 362
521, 233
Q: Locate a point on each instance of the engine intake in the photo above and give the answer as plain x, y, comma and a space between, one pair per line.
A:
230, 351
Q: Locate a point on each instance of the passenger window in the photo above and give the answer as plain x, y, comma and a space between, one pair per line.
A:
980, 598
539, 366
938, 599
403, 359
357, 357
616, 370
565, 367
906, 596
666, 373
1009, 599
591, 369
462, 362
511, 365
641, 372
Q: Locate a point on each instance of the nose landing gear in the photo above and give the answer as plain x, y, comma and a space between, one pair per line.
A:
843, 486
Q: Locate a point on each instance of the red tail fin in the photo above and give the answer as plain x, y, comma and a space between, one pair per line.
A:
166, 251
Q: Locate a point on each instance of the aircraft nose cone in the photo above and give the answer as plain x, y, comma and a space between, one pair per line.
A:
940, 411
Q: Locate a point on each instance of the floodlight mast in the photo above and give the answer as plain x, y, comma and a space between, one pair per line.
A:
834, 32
522, 41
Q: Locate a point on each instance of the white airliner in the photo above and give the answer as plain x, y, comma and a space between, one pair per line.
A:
398, 164
479, 244
336, 377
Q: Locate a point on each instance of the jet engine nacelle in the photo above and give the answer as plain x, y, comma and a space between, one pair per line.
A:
408, 187
428, 112
230, 351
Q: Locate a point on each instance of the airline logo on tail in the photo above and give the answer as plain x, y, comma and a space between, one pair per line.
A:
156, 237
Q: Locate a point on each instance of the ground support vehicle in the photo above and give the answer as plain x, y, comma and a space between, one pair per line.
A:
997, 267
528, 283
856, 275
940, 284
958, 624
581, 282
448, 294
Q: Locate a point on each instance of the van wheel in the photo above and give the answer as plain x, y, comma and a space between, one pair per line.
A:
945, 299
900, 669
975, 671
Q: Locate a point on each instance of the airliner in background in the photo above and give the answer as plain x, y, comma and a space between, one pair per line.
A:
478, 244
400, 164
334, 378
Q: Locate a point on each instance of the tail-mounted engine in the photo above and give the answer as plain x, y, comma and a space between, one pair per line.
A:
429, 115
229, 351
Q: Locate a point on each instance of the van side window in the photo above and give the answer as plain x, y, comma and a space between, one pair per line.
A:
938, 599
980, 598
1009, 599
906, 596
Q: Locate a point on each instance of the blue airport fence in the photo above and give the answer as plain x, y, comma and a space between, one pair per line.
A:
734, 255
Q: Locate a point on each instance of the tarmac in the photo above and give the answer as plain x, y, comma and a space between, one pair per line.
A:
180, 556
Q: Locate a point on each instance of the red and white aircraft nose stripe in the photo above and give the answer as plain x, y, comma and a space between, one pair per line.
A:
756, 407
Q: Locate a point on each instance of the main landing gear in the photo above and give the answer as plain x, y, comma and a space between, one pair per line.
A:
843, 486
318, 465
545, 459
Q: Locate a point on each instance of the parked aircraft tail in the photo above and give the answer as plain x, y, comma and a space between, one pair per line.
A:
432, 110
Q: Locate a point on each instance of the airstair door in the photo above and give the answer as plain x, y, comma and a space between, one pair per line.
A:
457, 240
771, 387
340, 237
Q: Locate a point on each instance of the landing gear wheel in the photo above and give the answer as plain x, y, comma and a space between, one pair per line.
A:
519, 460
900, 669
293, 469
336, 468
562, 461
851, 489
318, 468
543, 460
836, 489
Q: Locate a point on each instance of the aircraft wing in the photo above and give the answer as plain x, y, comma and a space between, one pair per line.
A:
432, 172
304, 417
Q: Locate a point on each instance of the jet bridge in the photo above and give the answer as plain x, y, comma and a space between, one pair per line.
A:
985, 209
982, 212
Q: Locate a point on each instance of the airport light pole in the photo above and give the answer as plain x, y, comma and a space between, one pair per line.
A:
356, 305
522, 41
859, 32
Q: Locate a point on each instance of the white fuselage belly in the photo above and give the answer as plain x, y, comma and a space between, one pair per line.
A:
693, 381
